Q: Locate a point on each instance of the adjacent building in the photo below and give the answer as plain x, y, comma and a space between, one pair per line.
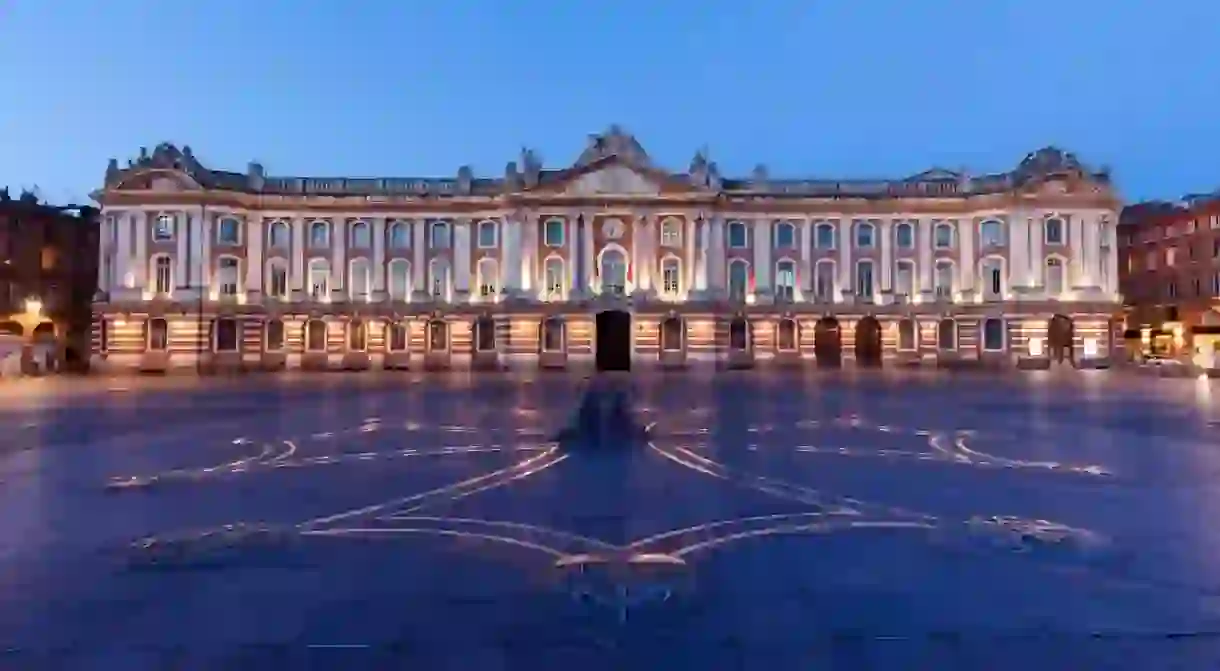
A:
610, 258
1169, 257
48, 278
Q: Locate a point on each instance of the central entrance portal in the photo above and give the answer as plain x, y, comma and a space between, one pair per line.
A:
612, 337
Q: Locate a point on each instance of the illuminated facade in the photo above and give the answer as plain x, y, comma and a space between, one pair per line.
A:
205, 269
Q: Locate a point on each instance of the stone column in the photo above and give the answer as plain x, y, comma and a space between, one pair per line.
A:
762, 239
140, 262
573, 255
689, 259
965, 254
338, 259
1037, 264
527, 233
254, 259
105, 252
646, 242
806, 240
701, 270
379, 232
587, 256
419, 259
887, 257
1110, 259
1016, 239
296, 256
717, 253
923, 246
847, 274
461, 260
182, 252
1077, 242
206, 265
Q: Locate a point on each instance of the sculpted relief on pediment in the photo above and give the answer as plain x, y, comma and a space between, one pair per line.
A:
615, 180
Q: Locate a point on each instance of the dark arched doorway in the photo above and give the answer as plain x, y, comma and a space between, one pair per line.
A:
828, 342
1059, 336
739, 335
787, 335
11, 328
868, 342
612, 335
485, 334
673, 337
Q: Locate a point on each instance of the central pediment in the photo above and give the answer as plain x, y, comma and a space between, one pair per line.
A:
613, 180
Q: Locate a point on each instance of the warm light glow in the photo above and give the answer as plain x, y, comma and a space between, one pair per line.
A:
129, 280
1035, 346
1090, 347
750, 299
33, 306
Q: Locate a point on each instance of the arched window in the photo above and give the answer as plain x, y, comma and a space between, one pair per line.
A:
396, 336
553, 335
785, 235
228, 231
864, 281
904, 277
357, 336
906, 335
438, 279
824, 281
487, 234
672, 334
362, 236
400, 279
273, 335
739, 279
1054, 231
227, 275
943, 236
785, 280
485, 334
438, 336
225, 336
277, 278
739, 334
319, 234
554, 278
824, 236
737, 235
319, 280
946, 334
613, 272
278, 236
315, 336
488, 277
943, 281
865, 234
1054, 276
358, 280
156, 335
993, 335
786, 335
671, 276
400, 235
991, 234
904, 235
439, 235
162, 275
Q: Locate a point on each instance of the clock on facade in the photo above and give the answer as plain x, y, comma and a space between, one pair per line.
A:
613, 229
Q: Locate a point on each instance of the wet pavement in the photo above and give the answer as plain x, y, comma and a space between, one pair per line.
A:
827, 520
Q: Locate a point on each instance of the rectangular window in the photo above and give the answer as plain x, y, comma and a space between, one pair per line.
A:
864, 281
164, 280
440, 235
278, 284
824, 282
552, 233
487, 234
785, 282
669, 278
904, 279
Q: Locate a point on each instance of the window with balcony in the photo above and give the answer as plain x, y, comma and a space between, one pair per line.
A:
992, 277
163, 275
739, 279
438, 279
554, 279
824, 281
943, 280
1054, 279
864, 281
227, 275
277, 278
319, 279
488, 272
399, 275
359, 272
613, 272
671, 274
904, 278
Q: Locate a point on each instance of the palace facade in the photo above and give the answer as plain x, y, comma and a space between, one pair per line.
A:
610, 259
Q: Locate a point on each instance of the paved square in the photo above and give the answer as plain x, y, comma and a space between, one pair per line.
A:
773, 521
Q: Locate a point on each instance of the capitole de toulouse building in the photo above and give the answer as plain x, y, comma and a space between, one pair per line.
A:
609, 258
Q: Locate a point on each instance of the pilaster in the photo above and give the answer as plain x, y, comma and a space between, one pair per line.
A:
139, 265
461, 260
254, 258
296, 256
182, 251
338, 258
419, 259
379, 279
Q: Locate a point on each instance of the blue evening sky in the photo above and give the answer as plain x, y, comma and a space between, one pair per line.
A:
810, 88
